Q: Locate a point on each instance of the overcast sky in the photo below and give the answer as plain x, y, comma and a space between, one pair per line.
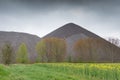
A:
40, 17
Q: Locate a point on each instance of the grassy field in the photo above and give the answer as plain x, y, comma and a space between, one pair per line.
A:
60, 71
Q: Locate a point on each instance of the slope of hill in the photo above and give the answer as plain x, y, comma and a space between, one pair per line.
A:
16, 38
69, 30
72, 33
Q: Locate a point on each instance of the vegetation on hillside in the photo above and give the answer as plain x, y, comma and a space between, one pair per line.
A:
95, 50
51, 50
56, 50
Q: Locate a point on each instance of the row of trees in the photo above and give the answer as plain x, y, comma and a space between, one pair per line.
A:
96, 50
49, 50
8, 55
54, 50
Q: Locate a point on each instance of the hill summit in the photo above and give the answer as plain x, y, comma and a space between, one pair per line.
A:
69, 30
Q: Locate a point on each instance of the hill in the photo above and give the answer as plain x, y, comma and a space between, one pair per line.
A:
16, 38
82, 45
73, 33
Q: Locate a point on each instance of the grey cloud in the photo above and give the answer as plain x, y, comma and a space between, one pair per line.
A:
31, 14
32, 6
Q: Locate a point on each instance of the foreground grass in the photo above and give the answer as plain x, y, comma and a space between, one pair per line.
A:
60, 71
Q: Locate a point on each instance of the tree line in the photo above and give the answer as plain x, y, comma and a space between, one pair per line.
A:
55, 50
96, 50
9, 56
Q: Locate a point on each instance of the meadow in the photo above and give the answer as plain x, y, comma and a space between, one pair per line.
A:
60, 71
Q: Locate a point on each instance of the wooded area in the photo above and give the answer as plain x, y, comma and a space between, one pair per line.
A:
55, 50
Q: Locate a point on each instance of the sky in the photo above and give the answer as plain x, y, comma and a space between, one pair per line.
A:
41, 17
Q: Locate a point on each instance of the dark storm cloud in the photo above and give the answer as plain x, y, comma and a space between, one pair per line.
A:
34, 13
50, 5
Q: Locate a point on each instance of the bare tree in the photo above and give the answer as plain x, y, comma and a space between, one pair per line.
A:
114, 41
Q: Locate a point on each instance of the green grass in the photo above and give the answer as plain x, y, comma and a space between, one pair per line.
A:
60, 71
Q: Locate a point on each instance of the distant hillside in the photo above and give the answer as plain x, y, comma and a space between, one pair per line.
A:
16, 38
72, 33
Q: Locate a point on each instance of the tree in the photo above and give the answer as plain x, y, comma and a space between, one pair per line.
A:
114, 49
51, 49
7, 53
22, 54
114, 41
41, 50
82, 51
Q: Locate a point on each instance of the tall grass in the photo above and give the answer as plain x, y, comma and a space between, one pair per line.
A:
91, 71
60, 71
